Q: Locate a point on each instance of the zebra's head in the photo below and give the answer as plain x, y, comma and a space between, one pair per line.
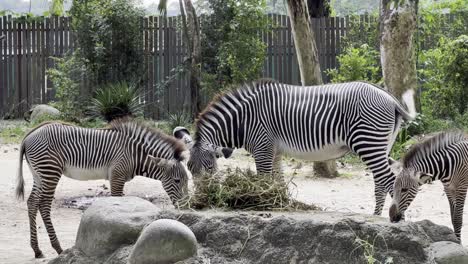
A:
405, 189
203, 157
174, 176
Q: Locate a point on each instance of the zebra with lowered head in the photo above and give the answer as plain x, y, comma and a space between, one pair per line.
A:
117, 153
316, 123
443, 157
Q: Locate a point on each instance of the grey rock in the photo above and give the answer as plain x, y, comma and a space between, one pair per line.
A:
41, 111
111, 222
445, 252
164, 241
110, 228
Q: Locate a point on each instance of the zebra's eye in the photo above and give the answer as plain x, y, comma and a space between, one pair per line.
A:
404, 189
177, 180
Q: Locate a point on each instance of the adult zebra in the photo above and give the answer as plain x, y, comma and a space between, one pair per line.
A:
443, 157
117, 154
315, 123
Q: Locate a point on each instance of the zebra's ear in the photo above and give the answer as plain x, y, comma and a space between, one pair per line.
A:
424, 178
160, 162
395, 165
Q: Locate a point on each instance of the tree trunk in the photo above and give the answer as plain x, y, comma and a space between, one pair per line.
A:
397, 45
192, 29
309, 66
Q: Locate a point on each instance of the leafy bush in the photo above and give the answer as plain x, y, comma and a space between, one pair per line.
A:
109, 38
116, 100
232, 49
179, 119
357, 64
444, 74
66, 77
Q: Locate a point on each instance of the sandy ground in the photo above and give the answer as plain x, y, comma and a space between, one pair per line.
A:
353, 192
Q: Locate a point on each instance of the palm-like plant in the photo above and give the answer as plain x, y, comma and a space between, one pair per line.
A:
116, 100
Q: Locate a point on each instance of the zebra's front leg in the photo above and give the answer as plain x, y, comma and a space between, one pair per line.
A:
47, 194
117, 182
457, 216
380, 195
33, 206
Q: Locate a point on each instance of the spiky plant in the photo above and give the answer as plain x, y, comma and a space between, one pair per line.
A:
116, 100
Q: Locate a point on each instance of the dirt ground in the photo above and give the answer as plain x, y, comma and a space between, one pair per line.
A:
352, 192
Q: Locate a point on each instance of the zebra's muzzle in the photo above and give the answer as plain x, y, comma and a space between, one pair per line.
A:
395, 215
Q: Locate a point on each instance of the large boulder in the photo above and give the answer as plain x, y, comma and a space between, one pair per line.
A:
41, 112
164, 241
111, 222
446, 252
110, 228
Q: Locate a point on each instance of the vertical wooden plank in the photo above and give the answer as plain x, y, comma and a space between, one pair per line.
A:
332, 48
156, 67
270, 66
263, 35
284, 49
66, 31
151, 66
2, 67
277, 48
172, 40
291, 52
42, 62
11, 62
162, 51
32, 57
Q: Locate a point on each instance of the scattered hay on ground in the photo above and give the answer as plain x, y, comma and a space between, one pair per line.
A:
244, 190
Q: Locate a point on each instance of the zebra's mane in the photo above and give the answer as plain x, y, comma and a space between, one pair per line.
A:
148, 135
431, 145
233, 91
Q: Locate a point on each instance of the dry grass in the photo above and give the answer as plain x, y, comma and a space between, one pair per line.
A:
244, 190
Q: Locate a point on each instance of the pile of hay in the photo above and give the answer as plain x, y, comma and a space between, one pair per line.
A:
243, 190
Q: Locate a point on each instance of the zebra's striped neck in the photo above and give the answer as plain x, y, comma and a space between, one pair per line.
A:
225, 120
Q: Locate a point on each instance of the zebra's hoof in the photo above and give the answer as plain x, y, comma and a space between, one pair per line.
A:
39, 255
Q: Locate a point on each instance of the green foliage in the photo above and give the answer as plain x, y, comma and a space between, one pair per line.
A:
109, 38
361, 33
232, 49
444, 74
116, 100
357, 64
13, 134
66, 77
179, 119
402, 144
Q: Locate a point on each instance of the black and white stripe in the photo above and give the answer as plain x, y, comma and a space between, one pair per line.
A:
117, 153
443, 157
316, 123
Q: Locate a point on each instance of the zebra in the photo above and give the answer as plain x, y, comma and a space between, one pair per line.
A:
315, 123
116, 153
443, 157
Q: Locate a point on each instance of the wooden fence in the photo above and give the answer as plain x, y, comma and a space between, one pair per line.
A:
27, 49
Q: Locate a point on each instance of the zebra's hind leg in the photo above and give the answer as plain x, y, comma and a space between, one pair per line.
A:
33, 206
47, 194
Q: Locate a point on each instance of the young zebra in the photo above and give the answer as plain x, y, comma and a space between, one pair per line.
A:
117, 154
443, 157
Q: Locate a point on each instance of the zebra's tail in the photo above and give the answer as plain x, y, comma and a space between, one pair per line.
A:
20, 178
408, 100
